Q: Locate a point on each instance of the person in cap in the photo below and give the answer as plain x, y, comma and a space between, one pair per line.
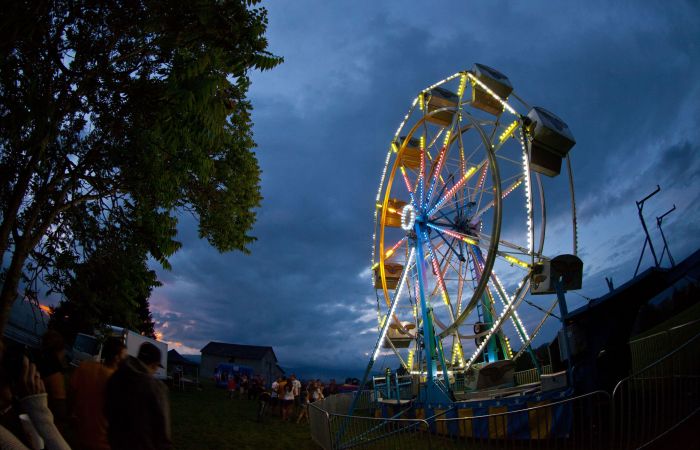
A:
136, 407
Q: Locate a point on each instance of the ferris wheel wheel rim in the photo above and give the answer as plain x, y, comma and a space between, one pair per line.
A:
496, 225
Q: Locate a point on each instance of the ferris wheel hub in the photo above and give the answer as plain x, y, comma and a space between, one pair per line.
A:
408, 217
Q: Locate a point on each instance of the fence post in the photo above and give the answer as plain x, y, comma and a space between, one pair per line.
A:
427, 433
328, 428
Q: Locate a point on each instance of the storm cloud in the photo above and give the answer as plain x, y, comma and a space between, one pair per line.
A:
625, 76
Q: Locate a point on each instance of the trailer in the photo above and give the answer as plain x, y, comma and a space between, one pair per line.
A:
89, 347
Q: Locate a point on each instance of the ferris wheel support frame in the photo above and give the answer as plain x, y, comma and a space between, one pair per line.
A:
434, 392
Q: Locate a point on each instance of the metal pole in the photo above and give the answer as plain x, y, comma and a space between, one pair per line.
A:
428, 333
659, 220
573, 203
564, 311
640, 207
430, 340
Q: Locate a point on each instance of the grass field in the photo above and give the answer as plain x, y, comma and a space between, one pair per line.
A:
207, 419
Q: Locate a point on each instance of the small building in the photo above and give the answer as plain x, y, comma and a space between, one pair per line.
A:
261, 359
182, 371
181, 368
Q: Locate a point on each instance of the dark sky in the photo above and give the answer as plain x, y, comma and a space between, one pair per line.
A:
624, 75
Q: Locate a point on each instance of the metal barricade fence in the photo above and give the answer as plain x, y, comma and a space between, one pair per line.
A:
580, 422
354, 432
657, 398
644, 407
531, 375
577, 423
649, 349
321, 411
318, 425
340, 403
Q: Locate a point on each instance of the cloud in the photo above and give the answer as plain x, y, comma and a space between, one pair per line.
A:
624, 76
676, 166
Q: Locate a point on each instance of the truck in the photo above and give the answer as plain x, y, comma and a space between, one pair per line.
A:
89, 347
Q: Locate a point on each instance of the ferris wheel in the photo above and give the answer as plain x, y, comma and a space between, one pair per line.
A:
460, 223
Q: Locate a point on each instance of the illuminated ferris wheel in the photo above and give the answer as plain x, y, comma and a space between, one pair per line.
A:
460, 224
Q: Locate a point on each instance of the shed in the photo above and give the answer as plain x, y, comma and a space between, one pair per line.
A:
182, 370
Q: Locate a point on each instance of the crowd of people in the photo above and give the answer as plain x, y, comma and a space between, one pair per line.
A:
113, 404
290, 398
116, 403
242, 386
286, 397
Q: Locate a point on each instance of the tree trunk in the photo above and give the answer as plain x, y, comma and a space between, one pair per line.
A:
9, 291
28, 240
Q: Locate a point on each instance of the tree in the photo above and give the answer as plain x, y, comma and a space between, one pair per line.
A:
121, 115
111, 287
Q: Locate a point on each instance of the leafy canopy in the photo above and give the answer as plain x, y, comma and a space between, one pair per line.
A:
111, 288
120, 115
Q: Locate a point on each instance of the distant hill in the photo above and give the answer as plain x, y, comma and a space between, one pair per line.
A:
339, 374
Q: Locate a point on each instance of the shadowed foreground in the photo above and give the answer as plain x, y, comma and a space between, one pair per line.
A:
208, 419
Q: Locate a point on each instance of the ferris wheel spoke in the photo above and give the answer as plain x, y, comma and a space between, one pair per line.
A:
435, 138
395, 247
438, 286
519, 180
505, 300
481, 180
500, 293
396, 352
454, 188
394, 303
436, 173
407, 182
483, 240
537, 329
457, 351
507, 133
460, 287
500, 320
450, 245
448, 264
439, 274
